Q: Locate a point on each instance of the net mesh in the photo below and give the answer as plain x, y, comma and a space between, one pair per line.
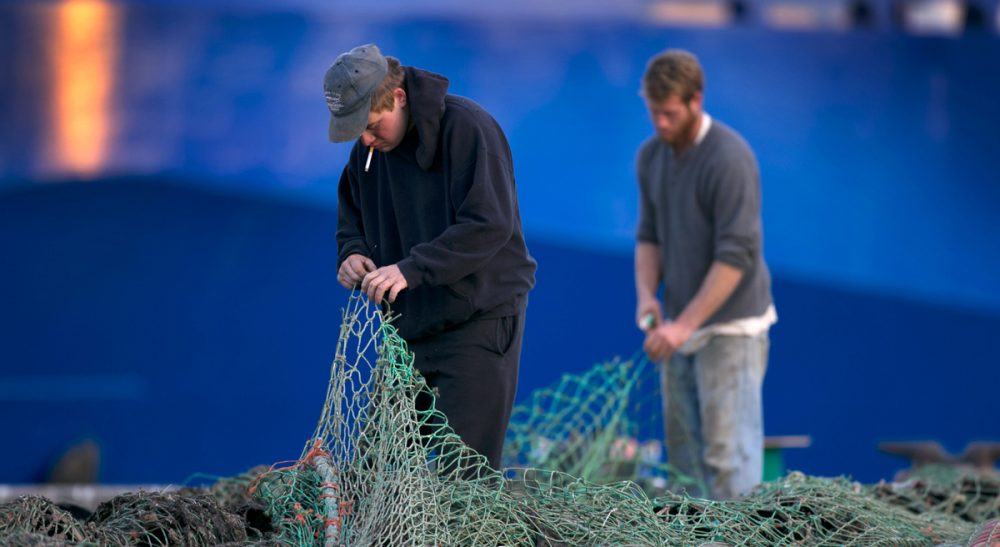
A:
580, 467
380, 471
967, 494
602, 426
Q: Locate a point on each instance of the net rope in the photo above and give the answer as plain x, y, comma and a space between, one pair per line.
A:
581, 467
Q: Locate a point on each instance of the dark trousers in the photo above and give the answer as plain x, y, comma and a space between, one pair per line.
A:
473, 370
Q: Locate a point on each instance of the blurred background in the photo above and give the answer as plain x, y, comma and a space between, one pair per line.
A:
168, 206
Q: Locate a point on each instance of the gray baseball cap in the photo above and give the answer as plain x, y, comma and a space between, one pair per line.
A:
348, 86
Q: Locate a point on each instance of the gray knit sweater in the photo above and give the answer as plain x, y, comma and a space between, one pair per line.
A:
700, 208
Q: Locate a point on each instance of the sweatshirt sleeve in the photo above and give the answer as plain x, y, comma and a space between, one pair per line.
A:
481, 187
735, 206
350, 230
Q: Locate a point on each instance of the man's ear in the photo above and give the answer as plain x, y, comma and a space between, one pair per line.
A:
400, 95
695, 103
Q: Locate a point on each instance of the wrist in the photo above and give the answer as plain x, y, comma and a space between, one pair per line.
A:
408, 269
645, 296
687, 325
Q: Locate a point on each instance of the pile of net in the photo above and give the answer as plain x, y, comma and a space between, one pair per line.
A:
967, 494
378, 471
141, 518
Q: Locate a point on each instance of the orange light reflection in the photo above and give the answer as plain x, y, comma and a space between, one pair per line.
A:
691, 12
83, 53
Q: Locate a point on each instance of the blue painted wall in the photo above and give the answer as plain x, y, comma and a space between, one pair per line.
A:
181, 306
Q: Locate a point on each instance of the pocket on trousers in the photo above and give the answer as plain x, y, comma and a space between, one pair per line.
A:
506, 330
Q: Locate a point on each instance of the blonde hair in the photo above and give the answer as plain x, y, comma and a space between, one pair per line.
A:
383, 99
673, 72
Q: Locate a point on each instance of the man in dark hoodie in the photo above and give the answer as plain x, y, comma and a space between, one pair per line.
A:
429, 221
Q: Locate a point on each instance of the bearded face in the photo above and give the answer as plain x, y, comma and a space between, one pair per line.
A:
675, 120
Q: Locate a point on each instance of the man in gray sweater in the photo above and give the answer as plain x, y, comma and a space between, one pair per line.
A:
700, 236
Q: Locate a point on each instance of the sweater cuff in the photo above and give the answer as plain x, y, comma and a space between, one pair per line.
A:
740, 259
410, 272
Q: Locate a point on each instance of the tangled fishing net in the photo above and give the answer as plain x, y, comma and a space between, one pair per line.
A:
602, 426
141, 518
582, 467
958, 491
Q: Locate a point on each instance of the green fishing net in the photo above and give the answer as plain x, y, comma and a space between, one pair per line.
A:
583, 466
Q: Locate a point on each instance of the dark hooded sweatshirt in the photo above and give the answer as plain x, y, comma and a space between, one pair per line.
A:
442, 205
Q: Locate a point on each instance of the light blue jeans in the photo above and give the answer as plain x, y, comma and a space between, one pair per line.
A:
713, 416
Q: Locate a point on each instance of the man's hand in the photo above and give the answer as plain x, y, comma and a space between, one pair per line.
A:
354, 269
665, 339
647, 308
386, 281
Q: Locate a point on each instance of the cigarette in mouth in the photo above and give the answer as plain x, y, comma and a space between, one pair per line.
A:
368, 162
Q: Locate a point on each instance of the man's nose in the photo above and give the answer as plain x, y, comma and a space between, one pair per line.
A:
367, 138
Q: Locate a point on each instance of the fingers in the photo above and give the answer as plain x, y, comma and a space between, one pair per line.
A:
383, 283
378, 289
657, 346
374, 285
650, 346
344, 283
395, 291
648, 315
345, 277
646, 321
360, 267
652, 349
367, 281
371, 279
353, 270
382, 290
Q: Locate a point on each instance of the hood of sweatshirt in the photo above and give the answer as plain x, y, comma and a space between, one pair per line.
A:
425, 92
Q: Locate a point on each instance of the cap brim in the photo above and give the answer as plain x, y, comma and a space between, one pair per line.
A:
349, 127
